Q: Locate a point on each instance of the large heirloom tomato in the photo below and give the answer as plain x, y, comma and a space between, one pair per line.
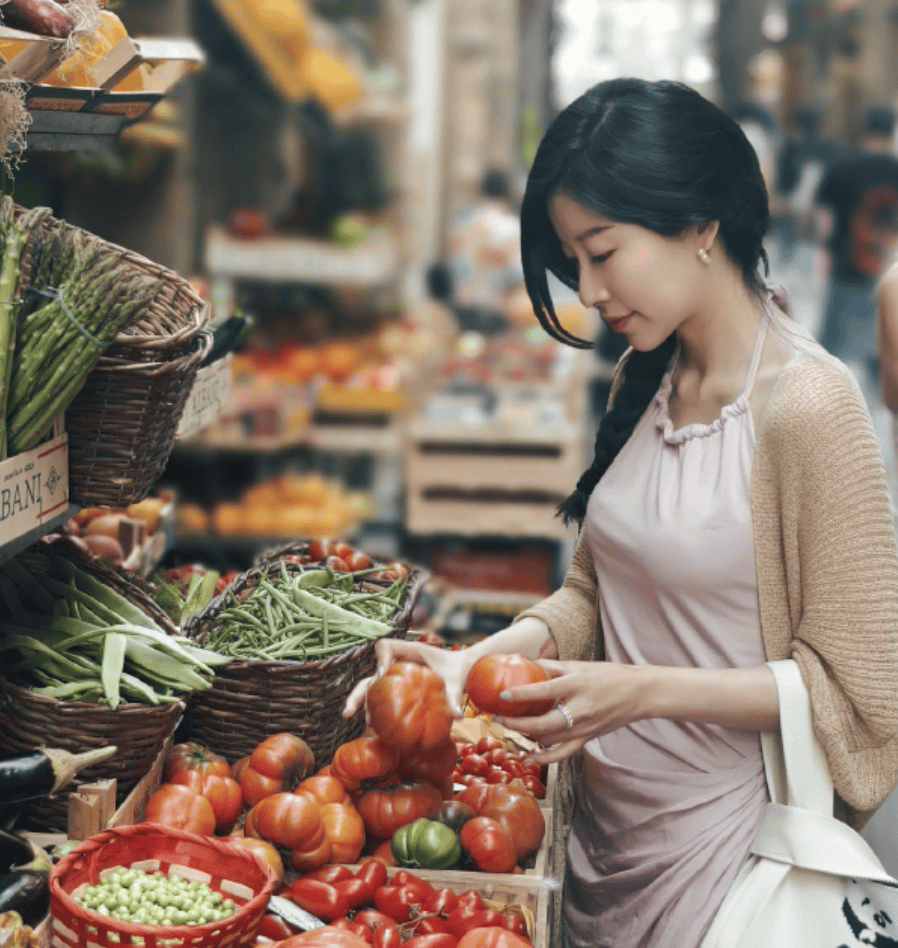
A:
365, 758
488, 845
293, 821
407, 707
324, 789
491, 675
435, 766
276, 764
261, 848
181, 808
194, 756
384, 809
222, 792
514, 810
345, 831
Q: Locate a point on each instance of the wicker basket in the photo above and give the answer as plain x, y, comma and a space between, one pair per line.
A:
250, 700
235, 873
122, 424
29, 720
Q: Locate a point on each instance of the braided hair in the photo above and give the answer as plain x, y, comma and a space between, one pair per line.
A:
655, 154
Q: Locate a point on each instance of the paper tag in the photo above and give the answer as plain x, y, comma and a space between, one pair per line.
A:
207, 398
34, 487
293, 914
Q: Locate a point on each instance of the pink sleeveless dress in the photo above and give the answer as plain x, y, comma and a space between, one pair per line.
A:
667, 810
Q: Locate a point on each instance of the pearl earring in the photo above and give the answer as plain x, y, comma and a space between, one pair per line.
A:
703, 255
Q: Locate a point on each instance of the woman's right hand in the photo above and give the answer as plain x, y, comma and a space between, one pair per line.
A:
451, 666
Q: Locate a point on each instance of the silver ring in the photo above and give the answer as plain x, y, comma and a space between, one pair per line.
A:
562, 707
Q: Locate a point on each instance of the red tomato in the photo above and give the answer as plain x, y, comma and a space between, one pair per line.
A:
492, 937
276, 764
326, 937
498, 775
407, 708
331, 873
535, 786
387, 937
374, 920
442, 902
475, 764
385, 808
431, 638
288, 820
181, 808
443, 940
261, 848
485, 918
423, 888
373, 873
489, 743
323, 789
488, 845
320, 549
223, 793
274, 927
357, 891
492, 674
396, 900
514, 923
497, 757
365, 758
194, 756
359, 560
514, 810
434, 766
432, 926
336, 564
322, 899
344, 829
356, 928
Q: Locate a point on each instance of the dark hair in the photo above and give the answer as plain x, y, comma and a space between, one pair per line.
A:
495, 184
655, 154
748, 111
879, 120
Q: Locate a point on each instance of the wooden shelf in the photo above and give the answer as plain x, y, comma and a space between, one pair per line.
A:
283, 259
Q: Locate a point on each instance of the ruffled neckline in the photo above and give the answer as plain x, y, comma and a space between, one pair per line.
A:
696, 430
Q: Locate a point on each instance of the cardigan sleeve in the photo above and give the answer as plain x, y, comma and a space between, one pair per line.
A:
571, 611
837, 539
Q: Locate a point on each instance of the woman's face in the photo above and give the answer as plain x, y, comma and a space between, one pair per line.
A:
644, 285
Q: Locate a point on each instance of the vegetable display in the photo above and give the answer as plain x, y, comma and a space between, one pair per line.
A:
79, 295
69, 636
302, 617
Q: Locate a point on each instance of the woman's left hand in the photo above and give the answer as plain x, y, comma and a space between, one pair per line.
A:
599, 697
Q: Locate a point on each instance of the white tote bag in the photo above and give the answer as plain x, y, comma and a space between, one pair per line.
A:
810, 881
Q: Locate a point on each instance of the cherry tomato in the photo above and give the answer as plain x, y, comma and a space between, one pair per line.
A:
485, 918
403, 877
535, 786
475, 764
487, 744
499, 776
466, 749
320, 548
374, 919
396, 901
359, 560
432, 926
337, 564
496, 757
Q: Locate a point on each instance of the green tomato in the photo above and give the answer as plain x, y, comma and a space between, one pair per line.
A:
426, 844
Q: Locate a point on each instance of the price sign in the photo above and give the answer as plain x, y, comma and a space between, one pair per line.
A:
208, 396
34, 487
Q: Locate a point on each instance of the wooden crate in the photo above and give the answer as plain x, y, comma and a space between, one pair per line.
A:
490, 479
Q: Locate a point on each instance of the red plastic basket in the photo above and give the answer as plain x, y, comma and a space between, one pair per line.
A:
235, 873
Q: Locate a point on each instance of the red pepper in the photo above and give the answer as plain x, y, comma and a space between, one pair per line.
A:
320, 898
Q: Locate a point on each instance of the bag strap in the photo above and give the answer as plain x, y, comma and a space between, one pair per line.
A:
797, 771
798, 827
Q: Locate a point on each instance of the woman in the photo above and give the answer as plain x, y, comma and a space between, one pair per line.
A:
735, 513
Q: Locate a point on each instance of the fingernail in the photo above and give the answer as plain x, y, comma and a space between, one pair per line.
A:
505, 696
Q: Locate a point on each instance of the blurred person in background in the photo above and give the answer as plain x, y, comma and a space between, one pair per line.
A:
484, 256
760, 129
801, 164
859, 221
734, 513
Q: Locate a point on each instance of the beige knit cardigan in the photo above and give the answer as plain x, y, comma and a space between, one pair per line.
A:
827, 571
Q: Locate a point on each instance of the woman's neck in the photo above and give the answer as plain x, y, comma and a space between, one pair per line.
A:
716, 343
